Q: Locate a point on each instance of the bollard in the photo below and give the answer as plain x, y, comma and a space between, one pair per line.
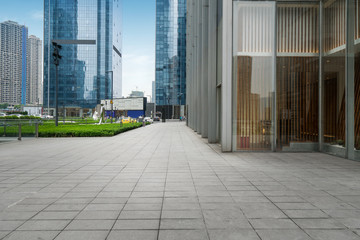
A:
19, 137
5, 129
144, 123
36, 130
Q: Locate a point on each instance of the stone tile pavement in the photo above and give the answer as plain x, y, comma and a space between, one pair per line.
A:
164, 182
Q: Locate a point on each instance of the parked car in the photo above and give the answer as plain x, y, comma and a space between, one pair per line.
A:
2, 114
148, 119
156, 118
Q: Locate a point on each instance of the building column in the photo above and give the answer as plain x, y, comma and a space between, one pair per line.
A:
212, 36
204, 68
226, 101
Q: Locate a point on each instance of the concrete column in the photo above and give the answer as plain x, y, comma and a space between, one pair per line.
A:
349, 81
226, 101
204, 68
212, 71
199, 67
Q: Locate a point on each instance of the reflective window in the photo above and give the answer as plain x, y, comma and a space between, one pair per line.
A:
254, 28
170, 52
334, 72
297, 72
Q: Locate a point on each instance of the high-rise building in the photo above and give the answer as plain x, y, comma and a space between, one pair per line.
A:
34, 89
91, 65
170, 71
153, 91
13, 38
274, 75
136, 94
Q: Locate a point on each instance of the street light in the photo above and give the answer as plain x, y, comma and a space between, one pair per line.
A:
57, 57
112, 94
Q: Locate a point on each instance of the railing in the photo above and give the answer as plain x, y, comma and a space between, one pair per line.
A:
19, 128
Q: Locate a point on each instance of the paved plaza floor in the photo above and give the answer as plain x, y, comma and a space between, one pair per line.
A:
165, 182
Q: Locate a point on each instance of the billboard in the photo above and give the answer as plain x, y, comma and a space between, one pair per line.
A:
124, 104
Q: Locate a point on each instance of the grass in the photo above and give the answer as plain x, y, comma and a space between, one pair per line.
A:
47, 130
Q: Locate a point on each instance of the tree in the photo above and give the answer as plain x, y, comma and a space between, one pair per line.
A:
4, 105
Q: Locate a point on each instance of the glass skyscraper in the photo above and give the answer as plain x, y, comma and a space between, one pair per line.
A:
89, 32
170, 52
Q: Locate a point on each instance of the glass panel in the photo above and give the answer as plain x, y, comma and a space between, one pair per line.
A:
254, 27
297, 75
356, 20
334, 72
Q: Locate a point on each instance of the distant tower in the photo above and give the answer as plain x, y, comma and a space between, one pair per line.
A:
13, 38
170, 52
34, 74
90, 33
153, 97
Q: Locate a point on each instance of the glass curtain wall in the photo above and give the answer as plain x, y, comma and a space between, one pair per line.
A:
254, 28
297, 73
334, 99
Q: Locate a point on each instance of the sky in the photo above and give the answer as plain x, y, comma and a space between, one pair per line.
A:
138, 37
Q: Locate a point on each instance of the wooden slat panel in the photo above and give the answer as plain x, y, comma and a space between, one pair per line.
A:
297, 28
335, 20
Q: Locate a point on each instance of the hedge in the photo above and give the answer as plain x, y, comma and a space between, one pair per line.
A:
103, 130
22, 117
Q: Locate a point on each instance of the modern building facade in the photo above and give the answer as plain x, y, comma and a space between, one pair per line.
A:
153, 87
34, 85
13, 43
275, 75
170, 73
91, 38
136, 94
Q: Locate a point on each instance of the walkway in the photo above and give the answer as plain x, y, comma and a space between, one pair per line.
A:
166, 177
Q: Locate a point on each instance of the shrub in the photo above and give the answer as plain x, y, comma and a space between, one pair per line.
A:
103, 130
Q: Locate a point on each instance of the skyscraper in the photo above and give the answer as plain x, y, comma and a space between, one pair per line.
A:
170, 52
90, 35
13, 38
153, 98
34, 89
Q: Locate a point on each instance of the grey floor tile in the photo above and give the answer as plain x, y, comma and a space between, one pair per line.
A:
90, 225
172, 224
233, 235
55, 216
283, 234
333, 235
98, 215
44, 225
139, 215
32, 235
319, 223
147, 224
183, 235
133, 235
82, 235
273, 224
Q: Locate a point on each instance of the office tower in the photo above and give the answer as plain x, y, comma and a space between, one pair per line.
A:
34, 89
275, 76
90, 69
170, 54
13, 38
153, 91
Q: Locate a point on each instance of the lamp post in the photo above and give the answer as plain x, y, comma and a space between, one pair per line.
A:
112, 94
57, 57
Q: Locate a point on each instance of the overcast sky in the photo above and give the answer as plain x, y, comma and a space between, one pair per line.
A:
138, 36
